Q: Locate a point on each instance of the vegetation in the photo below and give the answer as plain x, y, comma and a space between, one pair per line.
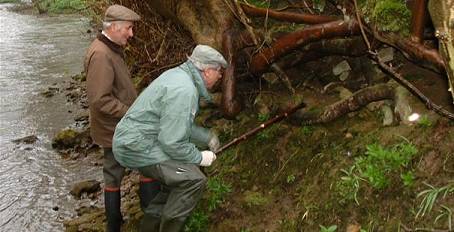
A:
332, 228
429, 197
9, 1
59, 6
306, 176
216, 192
424, 122
377, 168
389, 15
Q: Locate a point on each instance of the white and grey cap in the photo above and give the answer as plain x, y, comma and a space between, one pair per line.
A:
205, 54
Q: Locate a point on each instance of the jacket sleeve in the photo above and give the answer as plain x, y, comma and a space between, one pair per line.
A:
100, 79
175, 126
200, 136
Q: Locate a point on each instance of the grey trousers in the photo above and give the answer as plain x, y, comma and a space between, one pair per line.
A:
112, 171
182, 187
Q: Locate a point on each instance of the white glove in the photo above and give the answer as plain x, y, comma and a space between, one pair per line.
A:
214, 143
207, 158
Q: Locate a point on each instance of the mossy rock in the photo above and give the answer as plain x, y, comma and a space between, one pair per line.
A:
65, 139
392, 15
80, 77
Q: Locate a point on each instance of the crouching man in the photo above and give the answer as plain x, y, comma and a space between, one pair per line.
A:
157, 136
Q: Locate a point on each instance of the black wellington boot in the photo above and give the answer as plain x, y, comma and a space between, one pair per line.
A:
148, 189
113, 213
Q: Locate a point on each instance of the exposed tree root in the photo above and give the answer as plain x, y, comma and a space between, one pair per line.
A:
287, 16
358, 100
284, 45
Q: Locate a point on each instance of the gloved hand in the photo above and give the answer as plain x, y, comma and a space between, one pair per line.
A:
213, 143
207, 158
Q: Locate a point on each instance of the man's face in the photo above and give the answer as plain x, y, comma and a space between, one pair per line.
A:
121, 32
211, 76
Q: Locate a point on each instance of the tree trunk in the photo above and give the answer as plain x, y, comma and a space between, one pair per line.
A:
442, 15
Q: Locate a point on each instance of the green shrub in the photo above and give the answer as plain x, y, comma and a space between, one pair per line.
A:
349, 185
424, 122
197, 222
408, 178
379, 162
377, 167
217, 190
328, 229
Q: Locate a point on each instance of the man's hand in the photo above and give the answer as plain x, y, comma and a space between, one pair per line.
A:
207, 158
213, 143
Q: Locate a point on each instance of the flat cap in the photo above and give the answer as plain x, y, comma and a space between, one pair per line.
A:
120, 13
207, 55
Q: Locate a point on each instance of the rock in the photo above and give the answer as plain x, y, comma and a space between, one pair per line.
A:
270, 77
263, 104
82, 117
344, 76
344, 93
79, 77
65, 139
403, 108
386, 54
373, 106
87, 186
27, 139
341, 68
388, 115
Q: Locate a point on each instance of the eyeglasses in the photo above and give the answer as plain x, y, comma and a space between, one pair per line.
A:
219, 70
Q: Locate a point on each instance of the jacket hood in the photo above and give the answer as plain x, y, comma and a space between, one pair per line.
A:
199, 83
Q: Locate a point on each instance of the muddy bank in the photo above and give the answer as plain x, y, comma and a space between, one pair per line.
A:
296, 177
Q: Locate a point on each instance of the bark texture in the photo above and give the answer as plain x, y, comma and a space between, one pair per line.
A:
442, 14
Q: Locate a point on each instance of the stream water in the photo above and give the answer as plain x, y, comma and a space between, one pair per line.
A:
37, 52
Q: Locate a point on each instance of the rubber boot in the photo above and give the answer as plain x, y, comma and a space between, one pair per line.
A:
148, 189
172, 225
149, 223
113, 213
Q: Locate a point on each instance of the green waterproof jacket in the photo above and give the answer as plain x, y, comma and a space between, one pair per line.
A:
159, 126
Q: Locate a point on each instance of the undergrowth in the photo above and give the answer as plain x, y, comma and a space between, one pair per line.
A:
377, 167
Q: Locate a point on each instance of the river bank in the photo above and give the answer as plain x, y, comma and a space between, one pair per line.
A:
292, 177
37, 53
368, 170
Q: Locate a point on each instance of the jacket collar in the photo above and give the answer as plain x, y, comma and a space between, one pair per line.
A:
113, 46
197, 79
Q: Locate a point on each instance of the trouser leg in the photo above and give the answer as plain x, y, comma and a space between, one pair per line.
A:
185, 183
148, 189
113, 173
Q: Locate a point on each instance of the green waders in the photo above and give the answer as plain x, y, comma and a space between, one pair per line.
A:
182, 187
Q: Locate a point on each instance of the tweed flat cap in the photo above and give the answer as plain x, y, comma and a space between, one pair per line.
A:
207, 55
120, 13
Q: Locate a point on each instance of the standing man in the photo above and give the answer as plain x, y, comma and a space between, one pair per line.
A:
157, 136
110, 92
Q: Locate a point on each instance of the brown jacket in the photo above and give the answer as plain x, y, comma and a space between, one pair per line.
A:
110, 89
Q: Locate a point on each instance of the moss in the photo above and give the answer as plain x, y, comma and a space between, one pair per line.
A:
255, 199
67, 138
392, 16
